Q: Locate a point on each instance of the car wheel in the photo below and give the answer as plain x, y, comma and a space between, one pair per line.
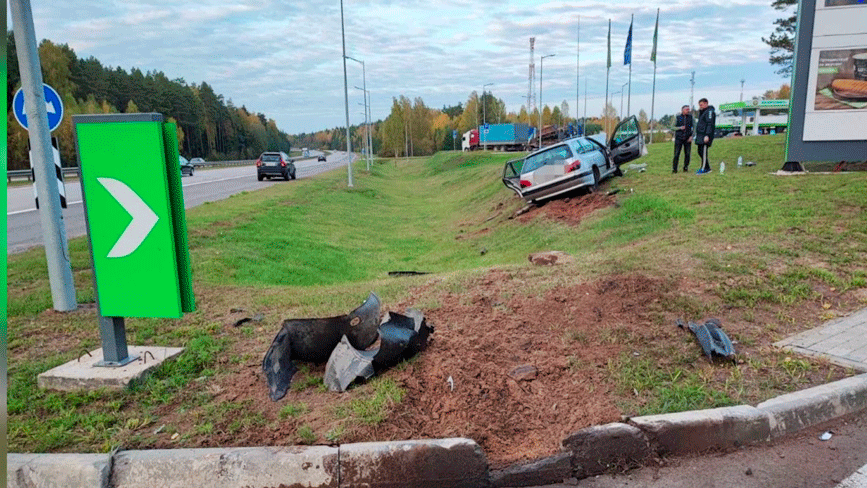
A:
594, 187
286, 176
293, 175
260, 177
191, 171
617, 170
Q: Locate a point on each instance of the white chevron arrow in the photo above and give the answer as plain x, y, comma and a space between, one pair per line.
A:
143, 218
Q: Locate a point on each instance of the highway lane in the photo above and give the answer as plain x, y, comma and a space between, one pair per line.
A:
24, 230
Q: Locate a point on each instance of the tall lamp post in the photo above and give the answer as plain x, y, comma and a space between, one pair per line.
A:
541, 68
364, 80
346, 102
622, 115
485, 115
612, 100
366, 125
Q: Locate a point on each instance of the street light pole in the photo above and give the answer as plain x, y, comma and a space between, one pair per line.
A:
485, 115
60, 277
366, 125
346, 103
622, 115
366, 119
541, 68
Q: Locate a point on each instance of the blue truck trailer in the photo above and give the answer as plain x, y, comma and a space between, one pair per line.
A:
502, 137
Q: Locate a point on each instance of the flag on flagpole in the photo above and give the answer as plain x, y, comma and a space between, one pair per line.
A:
627, 53
609, 43
655, 37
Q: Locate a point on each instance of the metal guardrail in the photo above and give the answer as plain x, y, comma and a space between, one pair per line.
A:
26, 174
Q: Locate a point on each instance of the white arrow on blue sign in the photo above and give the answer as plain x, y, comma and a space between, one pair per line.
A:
53, 106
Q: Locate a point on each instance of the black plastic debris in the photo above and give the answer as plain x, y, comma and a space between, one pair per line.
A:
712, 339
407, 273
400, 337
313, 340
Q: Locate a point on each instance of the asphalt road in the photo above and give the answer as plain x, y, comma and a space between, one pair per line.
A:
798, 461
24, 229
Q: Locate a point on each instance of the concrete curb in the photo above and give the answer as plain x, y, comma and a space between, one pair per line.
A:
436, 463
445, 463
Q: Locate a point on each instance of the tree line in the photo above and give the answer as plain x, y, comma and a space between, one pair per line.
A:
208, 125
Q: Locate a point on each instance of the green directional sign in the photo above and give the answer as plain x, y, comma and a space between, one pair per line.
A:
130, 179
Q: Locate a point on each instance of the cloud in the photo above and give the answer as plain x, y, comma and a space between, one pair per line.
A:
283, 58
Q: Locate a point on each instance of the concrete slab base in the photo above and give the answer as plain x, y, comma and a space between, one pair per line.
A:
83, 374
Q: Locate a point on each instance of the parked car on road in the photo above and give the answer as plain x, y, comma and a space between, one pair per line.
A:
197, 162
321, 157
275, 164
579, 162
186, 166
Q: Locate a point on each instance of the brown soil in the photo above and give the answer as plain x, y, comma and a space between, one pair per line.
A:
571, 210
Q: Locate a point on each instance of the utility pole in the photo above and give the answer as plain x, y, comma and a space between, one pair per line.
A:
346, 102
366, 121
691, 89
53, 229
742, 89
541, 68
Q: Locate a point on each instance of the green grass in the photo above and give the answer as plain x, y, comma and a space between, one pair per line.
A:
314, 247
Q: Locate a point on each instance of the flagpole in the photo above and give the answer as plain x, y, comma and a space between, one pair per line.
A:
629, 92
578, 72
653, 58
607, 72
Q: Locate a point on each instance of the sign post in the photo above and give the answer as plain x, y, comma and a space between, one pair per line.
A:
136, 224
829, 91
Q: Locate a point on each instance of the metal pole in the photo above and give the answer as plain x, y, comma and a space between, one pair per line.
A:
652, 102
607, 73
541, 68
622, 115
50, 216
691, 89
346, 103
485, 115
629, 96
584, 119
578, 72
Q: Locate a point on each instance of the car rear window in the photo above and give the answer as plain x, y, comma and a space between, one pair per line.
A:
270, 158
555, 155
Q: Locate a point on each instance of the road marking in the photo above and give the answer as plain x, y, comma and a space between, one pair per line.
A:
143, 218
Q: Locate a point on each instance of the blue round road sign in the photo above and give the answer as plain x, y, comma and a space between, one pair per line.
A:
53, 106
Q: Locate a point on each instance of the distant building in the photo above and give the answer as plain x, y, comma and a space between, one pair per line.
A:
753, 117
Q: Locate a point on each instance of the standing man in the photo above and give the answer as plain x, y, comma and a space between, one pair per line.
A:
682, 138
704, 129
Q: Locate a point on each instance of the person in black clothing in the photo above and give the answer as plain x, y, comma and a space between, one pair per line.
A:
704, 129
682, 138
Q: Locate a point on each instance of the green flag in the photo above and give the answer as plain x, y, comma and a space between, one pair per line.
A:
609, 43
655, 36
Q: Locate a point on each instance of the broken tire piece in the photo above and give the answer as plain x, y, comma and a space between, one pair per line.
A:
314, 340
400, 337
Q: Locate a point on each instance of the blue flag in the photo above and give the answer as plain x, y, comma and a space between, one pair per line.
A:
627, 53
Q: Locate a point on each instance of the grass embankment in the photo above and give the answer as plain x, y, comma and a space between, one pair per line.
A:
766, 250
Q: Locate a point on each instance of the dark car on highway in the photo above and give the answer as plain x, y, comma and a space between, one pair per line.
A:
321, 157
186, 166
275, 164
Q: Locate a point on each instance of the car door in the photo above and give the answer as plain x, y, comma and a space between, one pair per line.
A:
512, 175
626, 141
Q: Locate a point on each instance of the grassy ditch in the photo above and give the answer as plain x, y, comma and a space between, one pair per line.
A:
769, 254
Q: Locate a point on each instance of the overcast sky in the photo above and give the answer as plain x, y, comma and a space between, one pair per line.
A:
283, 58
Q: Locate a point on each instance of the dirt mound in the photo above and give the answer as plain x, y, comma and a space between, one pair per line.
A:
570, 210
522, 377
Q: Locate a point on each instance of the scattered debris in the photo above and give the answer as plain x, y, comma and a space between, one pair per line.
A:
749, 163
640, 167
712, 338
451, 383
749, 472
550, 258
237, 310
159, 429
524, 209
258, 317
314, 339
526, 372
242, 322
175, 436
400, 337
407, 273
483, 251
613, 191
826, 436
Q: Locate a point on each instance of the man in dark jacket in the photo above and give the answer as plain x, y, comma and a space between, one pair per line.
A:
704, 129
682, 138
